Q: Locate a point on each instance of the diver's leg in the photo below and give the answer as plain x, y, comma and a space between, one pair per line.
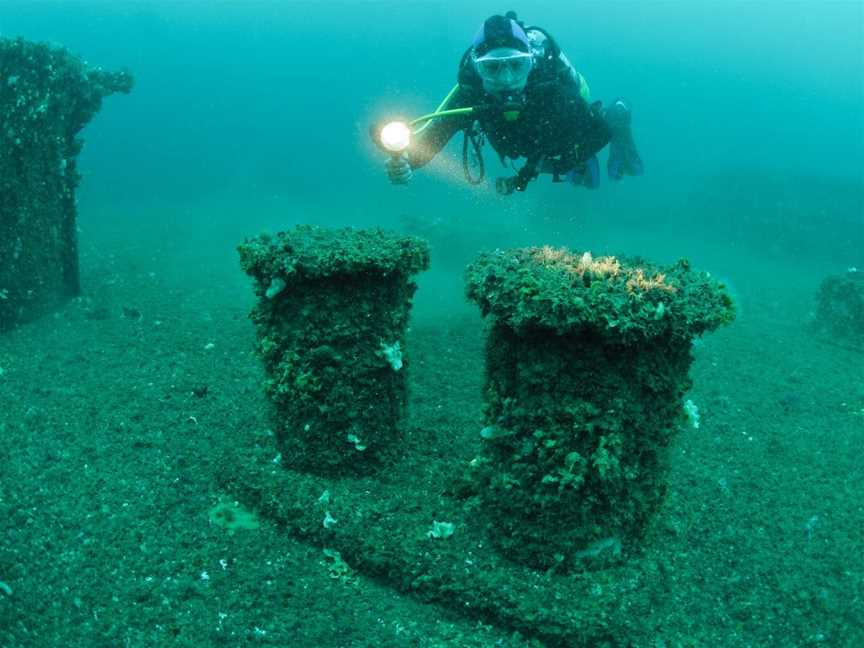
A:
623, 157
586, 175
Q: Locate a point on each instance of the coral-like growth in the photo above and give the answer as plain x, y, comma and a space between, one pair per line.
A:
620, 299
586, 367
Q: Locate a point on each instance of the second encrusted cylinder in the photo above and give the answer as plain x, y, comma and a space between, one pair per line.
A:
587, 362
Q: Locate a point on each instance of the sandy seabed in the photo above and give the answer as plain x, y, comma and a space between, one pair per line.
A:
115, 410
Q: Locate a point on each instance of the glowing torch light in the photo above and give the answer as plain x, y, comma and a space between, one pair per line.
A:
395, 136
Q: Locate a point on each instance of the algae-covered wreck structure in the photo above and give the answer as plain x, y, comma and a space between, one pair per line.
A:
331, 317
47, 95
525, 523
587, 364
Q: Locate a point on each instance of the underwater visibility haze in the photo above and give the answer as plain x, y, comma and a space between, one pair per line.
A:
264, 381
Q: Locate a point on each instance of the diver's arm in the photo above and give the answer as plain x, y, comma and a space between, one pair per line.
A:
428, 143
564, 69
569, 72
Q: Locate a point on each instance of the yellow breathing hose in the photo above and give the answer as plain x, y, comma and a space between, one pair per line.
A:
440, 112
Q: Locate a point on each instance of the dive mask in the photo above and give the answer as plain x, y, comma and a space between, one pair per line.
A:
504, 69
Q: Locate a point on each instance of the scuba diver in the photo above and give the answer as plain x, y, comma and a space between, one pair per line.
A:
517, 89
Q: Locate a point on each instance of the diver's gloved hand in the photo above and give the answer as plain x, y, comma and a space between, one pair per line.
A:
623, 157
398, 169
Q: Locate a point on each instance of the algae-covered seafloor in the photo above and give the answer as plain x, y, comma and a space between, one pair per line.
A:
132, 416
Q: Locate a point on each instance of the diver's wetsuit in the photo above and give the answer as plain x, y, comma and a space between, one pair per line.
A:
556, 124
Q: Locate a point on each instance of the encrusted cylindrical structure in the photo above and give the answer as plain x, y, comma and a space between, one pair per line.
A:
47, 96
331, 317
840, 309
586, 365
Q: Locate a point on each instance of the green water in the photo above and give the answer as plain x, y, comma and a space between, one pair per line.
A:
123, 414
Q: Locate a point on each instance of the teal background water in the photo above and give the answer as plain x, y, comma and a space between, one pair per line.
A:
274, 98
254, 115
